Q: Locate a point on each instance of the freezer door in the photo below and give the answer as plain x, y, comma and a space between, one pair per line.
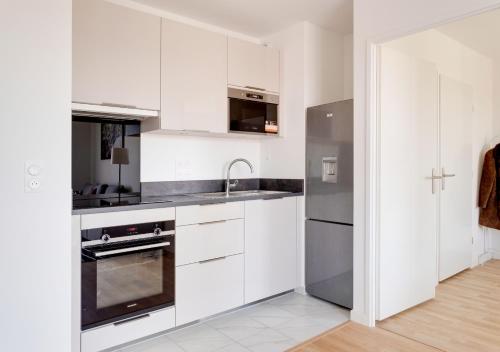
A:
329, 262
329, 162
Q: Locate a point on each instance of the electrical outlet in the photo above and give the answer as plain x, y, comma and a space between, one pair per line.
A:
33, 176
34, 184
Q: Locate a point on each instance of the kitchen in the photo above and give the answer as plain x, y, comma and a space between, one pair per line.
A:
186, 203
244, 228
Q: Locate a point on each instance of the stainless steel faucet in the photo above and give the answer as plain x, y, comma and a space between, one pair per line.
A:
230, 185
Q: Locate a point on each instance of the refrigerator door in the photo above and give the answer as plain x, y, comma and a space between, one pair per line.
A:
329, 262
329, 162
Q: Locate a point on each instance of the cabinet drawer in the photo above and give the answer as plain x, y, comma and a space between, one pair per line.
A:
92, 221
210, 240
205, 289
197, 214
111, 335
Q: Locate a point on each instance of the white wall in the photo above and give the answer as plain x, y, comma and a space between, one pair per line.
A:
377, 21
35, 96
174, 158
457, 61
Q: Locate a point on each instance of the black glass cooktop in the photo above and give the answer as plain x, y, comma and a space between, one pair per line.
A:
116, 201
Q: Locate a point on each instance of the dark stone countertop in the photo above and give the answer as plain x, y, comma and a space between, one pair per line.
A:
180, 200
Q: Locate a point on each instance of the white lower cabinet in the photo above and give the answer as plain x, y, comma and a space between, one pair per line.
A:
208, 287
270, 247
111, 335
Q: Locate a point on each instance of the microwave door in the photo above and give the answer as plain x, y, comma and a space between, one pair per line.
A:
252, 112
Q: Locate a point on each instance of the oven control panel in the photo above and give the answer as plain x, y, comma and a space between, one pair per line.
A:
127, 232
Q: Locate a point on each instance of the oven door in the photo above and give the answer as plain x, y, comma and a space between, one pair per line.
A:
120, 281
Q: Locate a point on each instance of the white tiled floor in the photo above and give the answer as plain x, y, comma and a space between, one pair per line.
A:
271, 326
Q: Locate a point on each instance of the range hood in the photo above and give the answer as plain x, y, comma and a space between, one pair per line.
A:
109, 111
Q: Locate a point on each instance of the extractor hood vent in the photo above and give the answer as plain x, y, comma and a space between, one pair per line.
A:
112, 112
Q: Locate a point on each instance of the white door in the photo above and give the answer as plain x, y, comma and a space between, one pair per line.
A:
408, 203
455, 235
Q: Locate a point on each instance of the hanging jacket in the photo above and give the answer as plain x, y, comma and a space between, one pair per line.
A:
489, 190
496, 156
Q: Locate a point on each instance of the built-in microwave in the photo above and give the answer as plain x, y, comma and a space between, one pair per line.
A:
252, 111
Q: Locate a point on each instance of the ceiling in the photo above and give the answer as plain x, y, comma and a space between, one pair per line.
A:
480, 33
259, 18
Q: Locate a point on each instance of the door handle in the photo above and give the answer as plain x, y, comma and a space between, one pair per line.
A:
119, 105
255, 88
211, 260
434, 177
445, 176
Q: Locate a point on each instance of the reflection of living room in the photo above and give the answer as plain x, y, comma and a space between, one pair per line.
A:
106, 158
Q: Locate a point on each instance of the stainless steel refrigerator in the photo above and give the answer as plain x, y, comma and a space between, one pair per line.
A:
329, 202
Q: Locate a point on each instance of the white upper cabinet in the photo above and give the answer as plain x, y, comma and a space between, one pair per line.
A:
194, 79
253, 66
116, 55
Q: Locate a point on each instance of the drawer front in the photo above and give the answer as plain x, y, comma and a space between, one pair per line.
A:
92, 221
111, 335
210, 240
205, 289
196, 214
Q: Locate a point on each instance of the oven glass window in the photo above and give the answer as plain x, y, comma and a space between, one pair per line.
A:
251, 116
127, 278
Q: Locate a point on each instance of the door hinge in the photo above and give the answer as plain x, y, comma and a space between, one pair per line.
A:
472, 240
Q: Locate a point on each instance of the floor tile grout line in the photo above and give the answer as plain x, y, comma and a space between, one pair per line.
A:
294, 306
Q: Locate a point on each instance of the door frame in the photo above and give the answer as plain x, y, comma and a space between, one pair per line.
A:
373, 157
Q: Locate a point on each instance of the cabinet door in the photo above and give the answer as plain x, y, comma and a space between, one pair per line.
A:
116, 55
207, 288
253, 66
194, 78
270, 247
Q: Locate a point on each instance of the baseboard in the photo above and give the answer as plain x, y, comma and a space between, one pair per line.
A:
301, 290
361, 318
495, 254
483, 258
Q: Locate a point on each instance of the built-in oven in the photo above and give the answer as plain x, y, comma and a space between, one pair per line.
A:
127, 271
253, 111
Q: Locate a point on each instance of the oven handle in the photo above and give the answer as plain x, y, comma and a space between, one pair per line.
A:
131, 249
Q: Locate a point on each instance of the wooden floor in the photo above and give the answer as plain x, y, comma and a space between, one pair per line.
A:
352, 337
464, 316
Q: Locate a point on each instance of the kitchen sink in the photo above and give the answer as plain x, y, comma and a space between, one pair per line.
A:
237, 194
